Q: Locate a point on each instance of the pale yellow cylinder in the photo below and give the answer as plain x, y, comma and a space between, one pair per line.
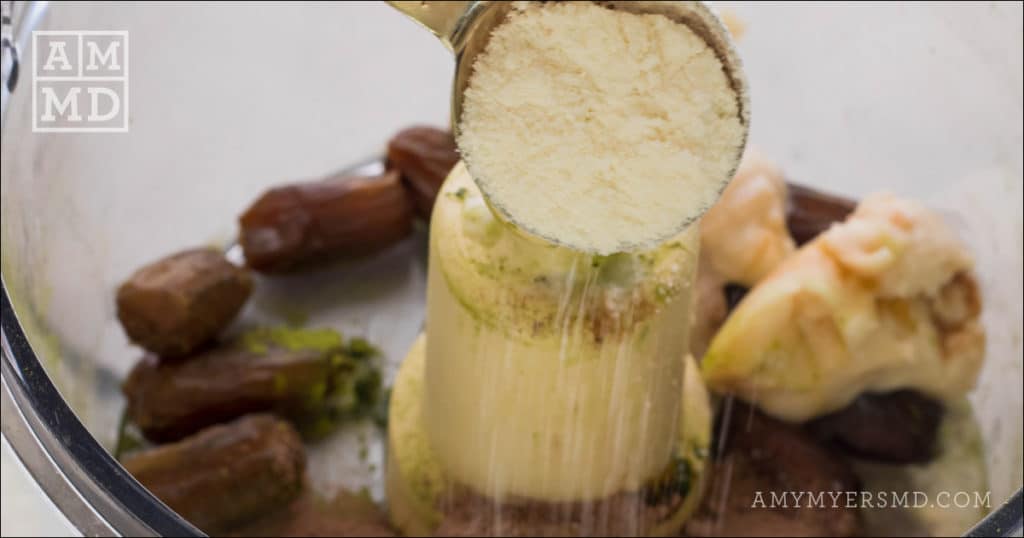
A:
550, 374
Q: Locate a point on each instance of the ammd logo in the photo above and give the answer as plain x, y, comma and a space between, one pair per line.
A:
80, 81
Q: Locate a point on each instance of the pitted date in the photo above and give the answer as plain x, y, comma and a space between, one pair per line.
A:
226, 474
424, 156
810, 212
296, 225
168, 400
175, 305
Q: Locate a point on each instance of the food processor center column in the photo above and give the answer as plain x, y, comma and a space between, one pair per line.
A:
550, 374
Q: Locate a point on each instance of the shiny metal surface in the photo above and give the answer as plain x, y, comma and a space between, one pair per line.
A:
465, 28
76, 473
9, 47
16, 24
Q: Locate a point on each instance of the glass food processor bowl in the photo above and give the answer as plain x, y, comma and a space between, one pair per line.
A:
226, 100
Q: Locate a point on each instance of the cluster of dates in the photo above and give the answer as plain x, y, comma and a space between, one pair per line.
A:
228, 418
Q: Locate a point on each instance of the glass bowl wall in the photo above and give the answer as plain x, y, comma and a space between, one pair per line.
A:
228, 99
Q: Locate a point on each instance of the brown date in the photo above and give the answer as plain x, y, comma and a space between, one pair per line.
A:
226, 474
810, 212
758, 455
424, 156
169, 400
347, 514
896, 427
297, 225
175, 305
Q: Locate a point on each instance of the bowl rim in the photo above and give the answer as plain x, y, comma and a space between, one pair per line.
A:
96, 494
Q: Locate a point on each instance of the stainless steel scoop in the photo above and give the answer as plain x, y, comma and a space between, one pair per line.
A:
465, 28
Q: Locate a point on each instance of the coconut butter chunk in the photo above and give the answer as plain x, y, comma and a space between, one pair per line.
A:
600, 130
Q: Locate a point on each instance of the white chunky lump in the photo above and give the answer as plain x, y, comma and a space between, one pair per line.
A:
883, 301
744, 235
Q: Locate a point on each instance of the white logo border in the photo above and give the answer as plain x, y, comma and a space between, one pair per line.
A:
125, 77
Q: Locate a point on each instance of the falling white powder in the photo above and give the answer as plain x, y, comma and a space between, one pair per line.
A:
597, 129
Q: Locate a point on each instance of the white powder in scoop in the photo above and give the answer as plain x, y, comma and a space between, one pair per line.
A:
601, 130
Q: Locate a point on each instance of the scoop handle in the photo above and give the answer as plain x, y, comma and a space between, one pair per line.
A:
441, 18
